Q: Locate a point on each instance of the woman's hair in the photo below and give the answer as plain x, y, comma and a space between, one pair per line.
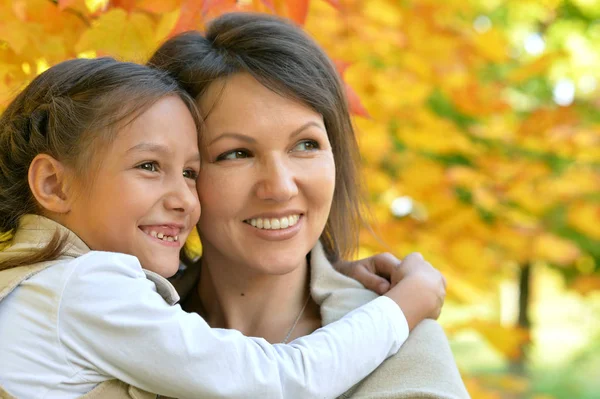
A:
286, 60
71, 112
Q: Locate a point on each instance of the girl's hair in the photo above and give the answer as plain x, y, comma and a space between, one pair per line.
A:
286, 60
71, 112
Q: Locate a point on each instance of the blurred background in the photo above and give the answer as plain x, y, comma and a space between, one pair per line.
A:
479, 126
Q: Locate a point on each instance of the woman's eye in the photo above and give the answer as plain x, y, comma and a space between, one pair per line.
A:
149, 166
190, 174
306, 145
235, 154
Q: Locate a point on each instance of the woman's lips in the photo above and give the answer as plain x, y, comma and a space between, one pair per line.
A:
275, 234
274, 223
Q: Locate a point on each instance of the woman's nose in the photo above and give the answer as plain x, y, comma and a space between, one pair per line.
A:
277, 182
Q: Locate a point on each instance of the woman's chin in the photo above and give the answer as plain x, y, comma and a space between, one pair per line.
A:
277, 266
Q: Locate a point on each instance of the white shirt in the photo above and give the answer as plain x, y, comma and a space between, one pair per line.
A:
97, 317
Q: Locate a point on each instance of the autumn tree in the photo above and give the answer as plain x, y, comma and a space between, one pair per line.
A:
478, 122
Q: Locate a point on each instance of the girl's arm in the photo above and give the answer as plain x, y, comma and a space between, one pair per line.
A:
112, 320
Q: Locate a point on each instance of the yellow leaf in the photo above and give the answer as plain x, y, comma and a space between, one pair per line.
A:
492, 45
506, 340
127, 36
554, 249
537, 67
373, 139
585, 217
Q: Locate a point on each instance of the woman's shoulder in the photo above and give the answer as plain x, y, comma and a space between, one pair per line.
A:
424, 367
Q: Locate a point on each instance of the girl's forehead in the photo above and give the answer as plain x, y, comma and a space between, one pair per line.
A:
166, 122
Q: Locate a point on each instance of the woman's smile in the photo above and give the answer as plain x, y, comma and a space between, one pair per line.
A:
275, 229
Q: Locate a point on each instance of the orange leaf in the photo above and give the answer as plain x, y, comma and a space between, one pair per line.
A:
269, 4
297, 10
586, 284
335, 4
158, 6
341, 66
189, 17
62, 4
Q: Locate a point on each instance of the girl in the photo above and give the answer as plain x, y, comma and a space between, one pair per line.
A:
98, 167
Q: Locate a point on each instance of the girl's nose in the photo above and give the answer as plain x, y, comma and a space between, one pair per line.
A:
183, 197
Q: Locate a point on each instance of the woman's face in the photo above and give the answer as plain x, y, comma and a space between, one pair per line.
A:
267, 177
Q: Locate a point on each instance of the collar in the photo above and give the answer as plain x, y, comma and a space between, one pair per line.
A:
35, 232
335, 293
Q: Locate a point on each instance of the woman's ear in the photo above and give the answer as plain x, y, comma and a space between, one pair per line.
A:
49, 183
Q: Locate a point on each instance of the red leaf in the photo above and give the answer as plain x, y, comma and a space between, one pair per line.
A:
126, 5
356, 106
298, 10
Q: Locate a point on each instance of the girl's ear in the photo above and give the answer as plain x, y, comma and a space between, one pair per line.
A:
49, 183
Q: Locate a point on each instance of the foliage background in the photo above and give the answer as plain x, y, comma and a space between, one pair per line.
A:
479, 127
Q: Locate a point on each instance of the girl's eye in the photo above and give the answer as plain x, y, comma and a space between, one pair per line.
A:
306, 145
149, 166
190, 174
235, 154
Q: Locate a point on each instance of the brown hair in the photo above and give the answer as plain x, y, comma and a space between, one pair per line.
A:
286, 60
67, 112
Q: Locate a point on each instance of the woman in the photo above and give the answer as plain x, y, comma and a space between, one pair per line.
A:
279, 195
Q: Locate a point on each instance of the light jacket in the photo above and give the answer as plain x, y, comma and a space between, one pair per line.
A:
423, 368
11, 278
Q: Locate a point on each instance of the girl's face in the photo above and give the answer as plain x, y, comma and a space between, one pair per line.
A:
267, 177
142, 200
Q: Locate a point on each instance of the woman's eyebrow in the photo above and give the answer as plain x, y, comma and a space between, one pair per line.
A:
304, 127
238, 136
251, 140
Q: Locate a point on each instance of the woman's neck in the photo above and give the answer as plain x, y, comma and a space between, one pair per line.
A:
261, 305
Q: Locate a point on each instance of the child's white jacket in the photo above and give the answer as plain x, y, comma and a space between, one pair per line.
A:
97, 320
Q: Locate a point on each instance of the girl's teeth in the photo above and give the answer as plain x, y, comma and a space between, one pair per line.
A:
274, 223
162, 236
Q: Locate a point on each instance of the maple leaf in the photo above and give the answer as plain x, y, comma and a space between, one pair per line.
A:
297, 10
118, 33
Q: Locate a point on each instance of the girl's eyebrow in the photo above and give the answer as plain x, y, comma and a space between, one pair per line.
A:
249, 139
160, 149
150, 147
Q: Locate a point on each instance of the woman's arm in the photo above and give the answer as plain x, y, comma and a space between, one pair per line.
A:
113, 321
423, 368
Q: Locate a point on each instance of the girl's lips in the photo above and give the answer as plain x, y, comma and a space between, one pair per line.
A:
164, 229
164, 239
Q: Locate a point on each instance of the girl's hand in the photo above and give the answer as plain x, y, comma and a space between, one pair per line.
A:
374, 272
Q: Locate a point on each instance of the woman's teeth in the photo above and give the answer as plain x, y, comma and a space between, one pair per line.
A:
274, 223
163, 237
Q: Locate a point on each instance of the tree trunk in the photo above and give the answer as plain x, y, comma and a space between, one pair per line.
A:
518, 365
